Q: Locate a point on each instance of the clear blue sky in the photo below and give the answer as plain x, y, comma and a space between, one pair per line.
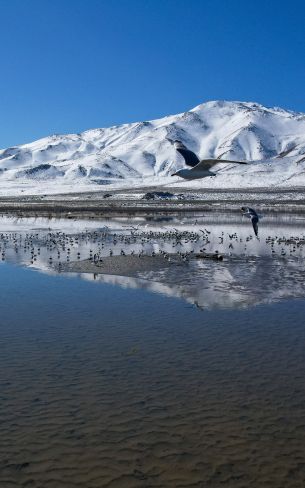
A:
71, 65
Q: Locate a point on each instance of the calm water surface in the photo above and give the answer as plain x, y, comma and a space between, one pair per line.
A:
175, 379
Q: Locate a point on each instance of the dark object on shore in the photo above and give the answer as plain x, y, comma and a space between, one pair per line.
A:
216, 256
251, 214
107, 195
157, 195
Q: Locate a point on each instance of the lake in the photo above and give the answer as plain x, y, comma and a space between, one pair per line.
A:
186, 375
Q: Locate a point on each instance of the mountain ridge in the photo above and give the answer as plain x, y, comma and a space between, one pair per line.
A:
272, 140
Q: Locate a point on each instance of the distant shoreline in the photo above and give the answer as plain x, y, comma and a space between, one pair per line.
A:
136, 202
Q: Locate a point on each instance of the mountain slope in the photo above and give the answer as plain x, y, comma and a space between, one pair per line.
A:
271, 139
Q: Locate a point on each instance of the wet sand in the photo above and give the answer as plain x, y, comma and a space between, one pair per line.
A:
128, 265
133, 265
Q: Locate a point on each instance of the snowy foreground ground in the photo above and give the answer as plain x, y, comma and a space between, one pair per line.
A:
143, 154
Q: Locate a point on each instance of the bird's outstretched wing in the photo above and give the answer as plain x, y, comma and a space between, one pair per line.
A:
252, 212
190, 157
206, 164
255, 224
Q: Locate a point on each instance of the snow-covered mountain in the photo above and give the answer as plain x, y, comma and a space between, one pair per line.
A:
271, 139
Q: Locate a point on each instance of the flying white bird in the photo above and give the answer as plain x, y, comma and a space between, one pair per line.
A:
199, 169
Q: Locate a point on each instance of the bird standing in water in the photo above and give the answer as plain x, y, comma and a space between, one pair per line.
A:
251, 214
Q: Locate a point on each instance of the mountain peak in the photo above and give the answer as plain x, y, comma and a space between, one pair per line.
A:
271, 139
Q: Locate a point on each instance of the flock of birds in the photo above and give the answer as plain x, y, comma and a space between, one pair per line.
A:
55, 248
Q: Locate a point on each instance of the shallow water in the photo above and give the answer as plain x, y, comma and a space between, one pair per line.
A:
136, 382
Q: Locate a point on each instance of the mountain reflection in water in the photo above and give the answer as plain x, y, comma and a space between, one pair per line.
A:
254, 270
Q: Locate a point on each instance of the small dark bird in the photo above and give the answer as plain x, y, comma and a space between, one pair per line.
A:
251, 214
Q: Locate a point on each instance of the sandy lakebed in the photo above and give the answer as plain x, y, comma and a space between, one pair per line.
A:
128, 362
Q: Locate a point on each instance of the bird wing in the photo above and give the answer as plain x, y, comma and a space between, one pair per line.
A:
252, 212
190, 157
255, 224
206, 164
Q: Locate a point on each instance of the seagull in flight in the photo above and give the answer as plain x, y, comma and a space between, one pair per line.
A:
199, 169
251, 214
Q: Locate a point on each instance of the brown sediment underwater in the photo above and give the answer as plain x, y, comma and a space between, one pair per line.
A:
149, 400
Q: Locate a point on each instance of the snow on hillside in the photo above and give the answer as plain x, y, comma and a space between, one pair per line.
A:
272, 140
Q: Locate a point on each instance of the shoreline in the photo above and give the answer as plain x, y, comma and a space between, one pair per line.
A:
136, 202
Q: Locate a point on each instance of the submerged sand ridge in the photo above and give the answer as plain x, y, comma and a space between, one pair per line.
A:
130, 265
141, 391
133, 265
